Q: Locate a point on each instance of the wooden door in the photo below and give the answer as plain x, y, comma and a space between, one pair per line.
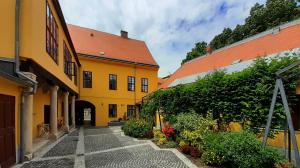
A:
7, 131
46, 114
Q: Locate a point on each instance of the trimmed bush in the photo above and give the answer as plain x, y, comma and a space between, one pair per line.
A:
137, 128
238, 149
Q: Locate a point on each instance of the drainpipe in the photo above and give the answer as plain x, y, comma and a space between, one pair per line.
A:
20, 74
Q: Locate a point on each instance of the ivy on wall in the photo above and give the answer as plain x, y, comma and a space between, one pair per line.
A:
243, 96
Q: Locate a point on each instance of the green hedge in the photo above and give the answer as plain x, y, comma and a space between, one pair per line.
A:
243, 96
138, 128
239, 149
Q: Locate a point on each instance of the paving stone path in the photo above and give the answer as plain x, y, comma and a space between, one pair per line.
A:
105, 148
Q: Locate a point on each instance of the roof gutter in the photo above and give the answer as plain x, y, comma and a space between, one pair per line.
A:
20, 74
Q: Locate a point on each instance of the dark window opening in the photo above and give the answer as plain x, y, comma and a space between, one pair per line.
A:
130, 111
75, 74
145, 85
131, 83
51, 34
87, 79
112, 82
112, 113
68, 62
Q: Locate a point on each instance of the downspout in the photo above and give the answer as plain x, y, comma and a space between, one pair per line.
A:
20, 74
17, 49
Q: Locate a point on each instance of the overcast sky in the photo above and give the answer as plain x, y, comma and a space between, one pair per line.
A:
169, 27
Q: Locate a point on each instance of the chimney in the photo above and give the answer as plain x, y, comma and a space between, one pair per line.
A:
124, 34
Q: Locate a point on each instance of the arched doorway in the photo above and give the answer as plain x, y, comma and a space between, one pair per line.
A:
84, 113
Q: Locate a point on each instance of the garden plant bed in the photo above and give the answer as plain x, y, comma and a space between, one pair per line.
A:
197, 161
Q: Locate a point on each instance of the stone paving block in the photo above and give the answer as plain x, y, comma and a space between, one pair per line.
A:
74, 133
97, 131
57, 163
65, 147
101, 142
107, 141
136, 157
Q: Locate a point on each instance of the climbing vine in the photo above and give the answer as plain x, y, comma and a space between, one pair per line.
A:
243, 96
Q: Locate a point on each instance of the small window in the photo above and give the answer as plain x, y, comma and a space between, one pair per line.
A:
51, 34
87, 79
112, 82
131, 83
145, 85
130, 111
112, 113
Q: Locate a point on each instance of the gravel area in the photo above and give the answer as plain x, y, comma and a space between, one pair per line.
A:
142, 156
57, 163
65, 147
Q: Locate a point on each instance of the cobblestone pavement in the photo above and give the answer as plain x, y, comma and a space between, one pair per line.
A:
106, 148
65, 147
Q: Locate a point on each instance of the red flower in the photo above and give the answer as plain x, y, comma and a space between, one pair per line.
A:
168, 131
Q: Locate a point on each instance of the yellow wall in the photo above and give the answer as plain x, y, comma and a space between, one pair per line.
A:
32, 36
7, 28
101, 96
33, 39
10, 88
277, 141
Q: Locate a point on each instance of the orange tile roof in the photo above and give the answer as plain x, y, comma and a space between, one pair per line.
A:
93, 42
160, 81
262, 44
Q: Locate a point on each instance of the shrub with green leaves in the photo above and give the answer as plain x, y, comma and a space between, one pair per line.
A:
171, 144
137, 128
193, 122
238, 149
193, 126
160, 138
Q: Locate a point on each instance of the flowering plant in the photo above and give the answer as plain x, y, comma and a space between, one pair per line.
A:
168, 130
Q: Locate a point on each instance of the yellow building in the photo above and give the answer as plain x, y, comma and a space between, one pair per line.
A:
38, 76
41, 76
117, 72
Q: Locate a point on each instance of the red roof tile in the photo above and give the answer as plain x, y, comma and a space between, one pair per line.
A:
93, 42
260, 45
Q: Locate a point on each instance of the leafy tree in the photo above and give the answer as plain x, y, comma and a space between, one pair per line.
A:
197, 51
222, 39
261, 18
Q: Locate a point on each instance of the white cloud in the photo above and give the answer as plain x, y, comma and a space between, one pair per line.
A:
169, 27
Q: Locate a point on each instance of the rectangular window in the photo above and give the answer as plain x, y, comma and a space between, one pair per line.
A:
130, 111
75, 74
87, 79
131, 83
112, 82
67, 61
112, 113
145, 85
51, 34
